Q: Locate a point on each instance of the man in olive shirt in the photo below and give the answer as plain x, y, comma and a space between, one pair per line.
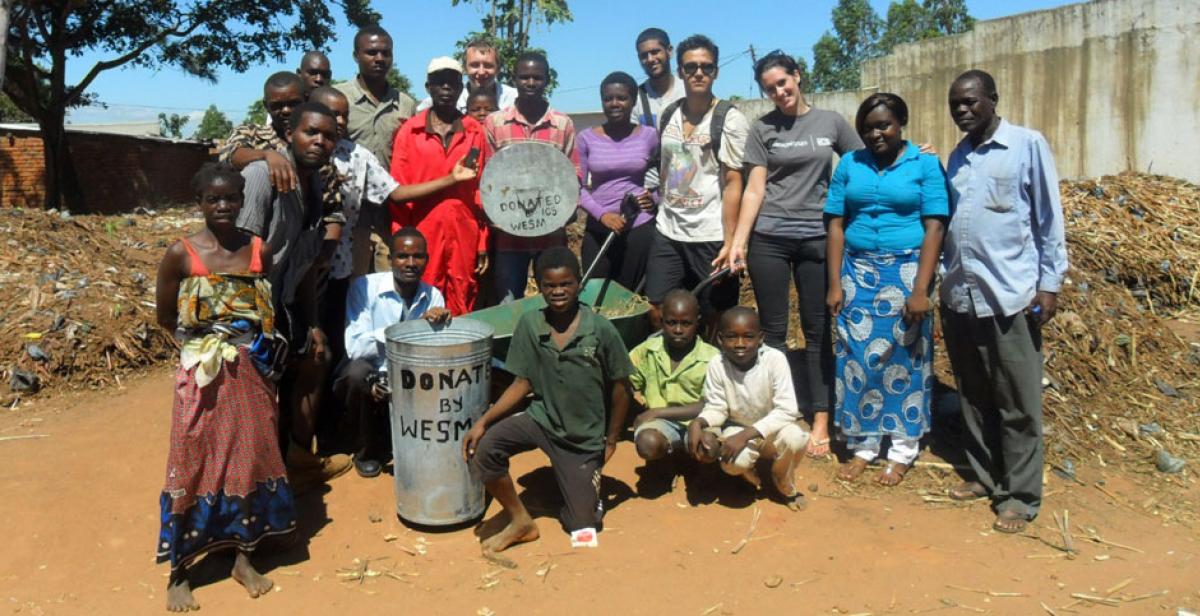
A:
376, 111
570, 359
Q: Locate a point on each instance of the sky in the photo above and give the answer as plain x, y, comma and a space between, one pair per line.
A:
599, 40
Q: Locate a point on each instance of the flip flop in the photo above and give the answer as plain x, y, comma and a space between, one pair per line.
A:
971, 490
1008, 516
896, 469
818, 443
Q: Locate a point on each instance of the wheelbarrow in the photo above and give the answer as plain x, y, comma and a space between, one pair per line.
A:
626, 310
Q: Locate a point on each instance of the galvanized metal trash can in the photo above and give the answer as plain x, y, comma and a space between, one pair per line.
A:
440, 378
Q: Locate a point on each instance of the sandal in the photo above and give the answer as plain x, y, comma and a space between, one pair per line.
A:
817, 448
968, 491
1010, 522
892, 474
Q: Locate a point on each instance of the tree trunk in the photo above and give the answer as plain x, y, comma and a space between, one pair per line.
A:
4, 4
63, 190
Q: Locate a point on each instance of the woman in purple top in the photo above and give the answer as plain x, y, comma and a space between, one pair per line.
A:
614, 158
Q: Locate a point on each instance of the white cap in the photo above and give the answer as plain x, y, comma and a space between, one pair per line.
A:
443, 63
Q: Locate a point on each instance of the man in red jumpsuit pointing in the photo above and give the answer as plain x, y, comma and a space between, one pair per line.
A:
449, 214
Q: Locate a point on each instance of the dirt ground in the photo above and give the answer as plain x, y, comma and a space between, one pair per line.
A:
79, 512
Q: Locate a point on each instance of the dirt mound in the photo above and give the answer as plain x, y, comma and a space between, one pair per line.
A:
78, 297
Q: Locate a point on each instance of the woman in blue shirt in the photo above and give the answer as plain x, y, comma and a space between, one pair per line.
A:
885, 215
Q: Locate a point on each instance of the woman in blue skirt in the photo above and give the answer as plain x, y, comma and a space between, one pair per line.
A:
885, 214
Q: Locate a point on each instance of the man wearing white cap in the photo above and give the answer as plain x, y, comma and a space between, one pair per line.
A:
433, 155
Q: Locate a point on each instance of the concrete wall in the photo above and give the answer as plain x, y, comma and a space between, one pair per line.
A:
118, 172
1112, 84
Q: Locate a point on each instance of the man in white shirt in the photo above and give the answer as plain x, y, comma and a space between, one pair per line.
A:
703, 140
483, 64
377, 301
750, 408
660, 88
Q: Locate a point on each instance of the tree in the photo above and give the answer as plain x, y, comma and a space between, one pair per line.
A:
256, 113
836, 60
197, 36
213, 125
400, 81
171, 125
507, 24
908, 21
948, 17
805, 76
862, 35
10, 112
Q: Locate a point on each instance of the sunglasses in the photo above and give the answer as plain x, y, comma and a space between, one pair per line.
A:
708, 68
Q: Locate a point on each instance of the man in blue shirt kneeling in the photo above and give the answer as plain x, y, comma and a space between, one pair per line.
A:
375, 302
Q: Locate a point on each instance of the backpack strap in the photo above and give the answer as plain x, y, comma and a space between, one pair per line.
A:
647, 118
664, 118
717, 126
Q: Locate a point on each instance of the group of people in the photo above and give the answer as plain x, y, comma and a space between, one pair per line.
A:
357, 208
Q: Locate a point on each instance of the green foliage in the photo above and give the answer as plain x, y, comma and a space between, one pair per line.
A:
9, 112
401, 82
908, 21
862, 35
256, 113
171, 125
836, 60
507, 24
214, 125
805, 76
197, 36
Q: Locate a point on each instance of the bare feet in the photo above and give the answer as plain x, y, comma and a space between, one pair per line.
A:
249, 577
179, 593
493, 525
851, 470
968, 490
818, 441
892, 474
710, 445
751, 477
1010, 522
519, 530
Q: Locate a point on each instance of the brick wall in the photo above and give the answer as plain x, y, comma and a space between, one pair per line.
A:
118, 172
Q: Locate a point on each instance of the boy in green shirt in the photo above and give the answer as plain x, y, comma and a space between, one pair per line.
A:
668, 378
571, 360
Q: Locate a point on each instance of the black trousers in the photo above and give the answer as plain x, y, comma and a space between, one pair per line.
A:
577, 473
625, 260
367, 417
772, 260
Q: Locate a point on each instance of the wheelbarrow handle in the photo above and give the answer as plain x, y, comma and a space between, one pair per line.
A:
629, 212
724, 271
612, 235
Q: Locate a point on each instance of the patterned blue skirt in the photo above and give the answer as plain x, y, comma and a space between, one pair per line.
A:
884, 367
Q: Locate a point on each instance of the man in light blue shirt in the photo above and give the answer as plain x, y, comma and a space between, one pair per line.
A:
1005, 258
375, 302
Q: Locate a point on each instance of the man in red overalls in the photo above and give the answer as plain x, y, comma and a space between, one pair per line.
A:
447, 211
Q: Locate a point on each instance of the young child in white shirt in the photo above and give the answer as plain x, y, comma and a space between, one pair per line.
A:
750, 408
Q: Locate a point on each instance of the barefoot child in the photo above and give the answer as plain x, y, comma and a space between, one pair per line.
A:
749, 408
226, 485
570, 359
668, 378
